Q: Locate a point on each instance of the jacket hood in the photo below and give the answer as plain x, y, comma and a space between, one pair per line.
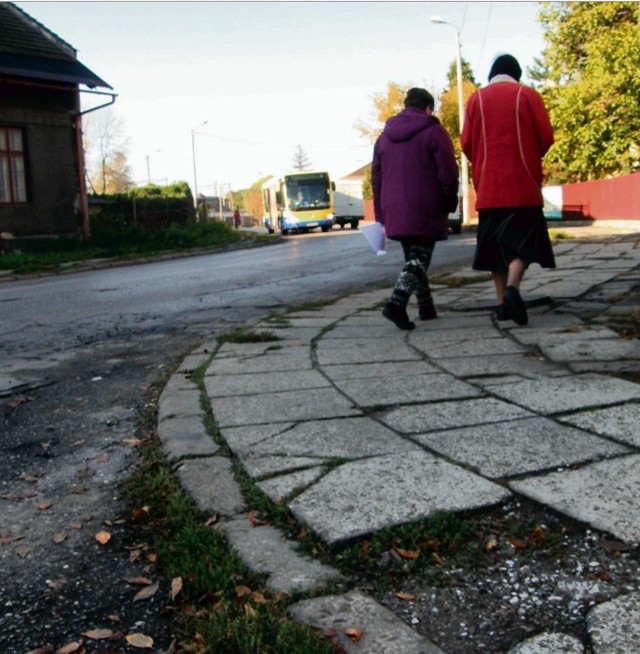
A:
407, 124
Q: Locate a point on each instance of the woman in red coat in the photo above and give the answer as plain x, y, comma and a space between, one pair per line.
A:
506, 133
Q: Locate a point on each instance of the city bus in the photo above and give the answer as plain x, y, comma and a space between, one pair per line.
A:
298, 202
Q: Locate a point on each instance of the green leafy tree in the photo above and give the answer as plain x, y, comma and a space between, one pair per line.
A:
448, 107
385, 104
588, 77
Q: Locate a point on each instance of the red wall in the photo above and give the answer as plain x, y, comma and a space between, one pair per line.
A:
604, 199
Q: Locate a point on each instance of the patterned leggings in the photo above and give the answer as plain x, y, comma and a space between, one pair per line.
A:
413, 276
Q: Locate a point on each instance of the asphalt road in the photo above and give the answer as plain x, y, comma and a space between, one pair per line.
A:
81, 351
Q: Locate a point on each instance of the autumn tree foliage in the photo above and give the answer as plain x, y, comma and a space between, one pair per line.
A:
588, 77
385, 104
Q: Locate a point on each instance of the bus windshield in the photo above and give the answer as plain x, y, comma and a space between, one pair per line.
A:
308, 191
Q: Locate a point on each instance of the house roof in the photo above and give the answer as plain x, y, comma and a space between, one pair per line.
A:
29, 50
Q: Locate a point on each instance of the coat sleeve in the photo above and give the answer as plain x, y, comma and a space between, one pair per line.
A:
376, 182
447, 167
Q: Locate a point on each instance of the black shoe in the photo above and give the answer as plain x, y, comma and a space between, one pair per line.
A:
398, 316
427, 312
515, 305
502, 313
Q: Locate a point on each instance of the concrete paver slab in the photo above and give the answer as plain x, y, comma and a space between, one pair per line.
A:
515, 447
444, 415
526, 364
554, 395
179, 404
269, 362
464, 347
243, 438
259, 382
267, 408
338, 372
619, 422
346, 438
406, 390
382, 631
605, 495
182, 437
283, 485
265, 550
262, 466
549, 643
362, 497
614, 627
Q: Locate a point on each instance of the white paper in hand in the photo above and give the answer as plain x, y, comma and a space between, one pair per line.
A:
374, 233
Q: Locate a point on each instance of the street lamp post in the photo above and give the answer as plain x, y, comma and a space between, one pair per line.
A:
193, 152
148, 168
464, 163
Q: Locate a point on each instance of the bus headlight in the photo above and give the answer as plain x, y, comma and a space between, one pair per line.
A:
330, 217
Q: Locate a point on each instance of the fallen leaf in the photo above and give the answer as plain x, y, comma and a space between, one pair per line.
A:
23, 551
9, 539
212, 520
43, 506
59, 537
255, 520
176, 587
408, 554
139, 640
152, 557
354, 634
134, 442
259, 598
249, 610
491, 543
147, 592
436, 557
69, 649
140, 581
103, 537
76, 525
56, 584
243, 591
405, 596
98, 634
30, 478
48, 649
518, 543
113, 618
537, 535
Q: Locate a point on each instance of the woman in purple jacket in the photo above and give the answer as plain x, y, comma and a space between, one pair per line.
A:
414, 176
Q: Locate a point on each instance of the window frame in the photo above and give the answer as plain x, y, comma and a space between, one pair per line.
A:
13, 166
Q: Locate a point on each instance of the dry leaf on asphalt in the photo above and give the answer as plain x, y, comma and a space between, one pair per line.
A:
139, 581
98, 634
147, 592
139, 640
23, 551
103, 537
518, 543
71, 648
354, 634
537, 535
436, 557
176, 587
405, 596
408, 554
42, 650
59, 537
43, 506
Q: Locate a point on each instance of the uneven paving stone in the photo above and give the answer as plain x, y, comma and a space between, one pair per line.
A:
515, 447
549, 643
605, 495
285, 406
444, 415
364, 352
575, 349
339, 372
475, 347
265, 551
382, 631
211, 485
346, 438
361, 497
243, 438
526, 364
179, 404
553, 395
283, 485
394, 389
181, 437
262, 466
614, 627
619, 422
259, 382
284, 361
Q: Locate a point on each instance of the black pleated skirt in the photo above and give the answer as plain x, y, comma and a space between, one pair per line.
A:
510, 233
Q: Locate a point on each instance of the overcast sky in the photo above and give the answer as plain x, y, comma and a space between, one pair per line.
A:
267, 76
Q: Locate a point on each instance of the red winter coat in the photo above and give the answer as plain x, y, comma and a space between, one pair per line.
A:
414, 176
506, 133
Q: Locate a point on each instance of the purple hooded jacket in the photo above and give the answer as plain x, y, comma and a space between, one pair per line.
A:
414, 176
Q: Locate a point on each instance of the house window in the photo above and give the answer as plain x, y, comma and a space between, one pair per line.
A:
13, 187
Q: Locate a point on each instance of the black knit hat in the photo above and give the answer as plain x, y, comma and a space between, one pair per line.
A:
506, 65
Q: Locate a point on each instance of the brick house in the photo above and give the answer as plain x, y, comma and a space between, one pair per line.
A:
42, 189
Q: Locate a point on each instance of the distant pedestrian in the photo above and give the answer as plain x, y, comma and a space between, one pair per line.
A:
506, 133
414, 176
236, 218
